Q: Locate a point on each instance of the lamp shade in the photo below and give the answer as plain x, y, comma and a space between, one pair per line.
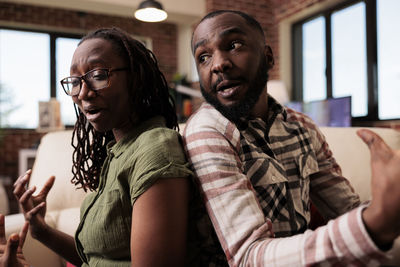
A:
150, 11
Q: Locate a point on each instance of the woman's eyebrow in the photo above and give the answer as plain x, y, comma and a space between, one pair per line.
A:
93, 61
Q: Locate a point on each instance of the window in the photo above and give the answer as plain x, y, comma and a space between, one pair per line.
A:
350, 50
65, 48
349, 57
31, 66
24, 76
388, 22
314, 63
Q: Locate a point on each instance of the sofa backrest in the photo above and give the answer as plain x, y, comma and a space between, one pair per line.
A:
353, 155
54, 157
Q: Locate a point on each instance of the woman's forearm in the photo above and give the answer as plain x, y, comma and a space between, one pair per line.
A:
61, 243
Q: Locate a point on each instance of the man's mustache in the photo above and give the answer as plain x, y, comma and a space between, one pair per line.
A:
223, 77
214, 85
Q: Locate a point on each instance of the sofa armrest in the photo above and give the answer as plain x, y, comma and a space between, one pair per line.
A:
68, 220
3, 200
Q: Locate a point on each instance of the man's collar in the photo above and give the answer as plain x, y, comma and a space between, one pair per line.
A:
274, 109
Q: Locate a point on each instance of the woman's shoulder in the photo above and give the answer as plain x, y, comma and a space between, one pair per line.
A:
159, 136
159, 142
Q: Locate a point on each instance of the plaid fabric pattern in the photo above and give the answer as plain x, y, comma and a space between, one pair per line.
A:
257, 180
278, 161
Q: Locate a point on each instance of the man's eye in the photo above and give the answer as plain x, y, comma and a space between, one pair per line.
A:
236, 45
203, 58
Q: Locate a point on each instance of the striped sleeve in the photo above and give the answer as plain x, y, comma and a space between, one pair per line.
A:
212, 144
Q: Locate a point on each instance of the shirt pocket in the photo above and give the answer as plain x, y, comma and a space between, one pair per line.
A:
264, 171
271, 187
307, 165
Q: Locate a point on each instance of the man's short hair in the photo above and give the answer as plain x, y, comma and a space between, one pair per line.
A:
249, 19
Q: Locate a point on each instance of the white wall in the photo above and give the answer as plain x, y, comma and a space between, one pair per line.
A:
186, 65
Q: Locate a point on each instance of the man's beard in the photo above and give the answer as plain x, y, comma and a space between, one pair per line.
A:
244, 107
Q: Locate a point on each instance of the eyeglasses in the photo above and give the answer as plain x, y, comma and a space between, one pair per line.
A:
95, 79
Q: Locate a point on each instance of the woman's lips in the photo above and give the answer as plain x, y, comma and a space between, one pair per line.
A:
93, 115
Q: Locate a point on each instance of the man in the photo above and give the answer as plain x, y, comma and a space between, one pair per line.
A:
259, 165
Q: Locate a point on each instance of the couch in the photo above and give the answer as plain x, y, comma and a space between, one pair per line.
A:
54, 158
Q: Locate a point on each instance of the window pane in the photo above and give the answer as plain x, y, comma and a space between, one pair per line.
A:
24, 76
349, 57
314, 64
388, 58
65, 48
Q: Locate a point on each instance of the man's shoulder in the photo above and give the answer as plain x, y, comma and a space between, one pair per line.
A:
207, 118
302, 119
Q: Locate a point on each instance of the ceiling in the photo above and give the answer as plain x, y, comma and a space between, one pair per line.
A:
179, 11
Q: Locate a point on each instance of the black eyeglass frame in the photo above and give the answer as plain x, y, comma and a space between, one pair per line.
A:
83, 78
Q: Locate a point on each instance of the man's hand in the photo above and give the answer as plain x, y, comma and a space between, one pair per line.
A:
382, 217
11, 249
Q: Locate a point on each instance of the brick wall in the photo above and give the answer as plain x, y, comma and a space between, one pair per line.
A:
11, 141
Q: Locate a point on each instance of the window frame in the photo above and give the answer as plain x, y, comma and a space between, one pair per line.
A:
53, 35
371, 49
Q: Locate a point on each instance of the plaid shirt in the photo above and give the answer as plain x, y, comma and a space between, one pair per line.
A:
257, 180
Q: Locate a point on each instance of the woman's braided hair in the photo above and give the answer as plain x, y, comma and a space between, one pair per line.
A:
148, 94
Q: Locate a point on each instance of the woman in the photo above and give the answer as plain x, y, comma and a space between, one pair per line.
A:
126, 151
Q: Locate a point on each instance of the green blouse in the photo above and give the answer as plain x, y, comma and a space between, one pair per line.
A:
150, 152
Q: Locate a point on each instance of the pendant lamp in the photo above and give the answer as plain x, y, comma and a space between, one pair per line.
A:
150, 11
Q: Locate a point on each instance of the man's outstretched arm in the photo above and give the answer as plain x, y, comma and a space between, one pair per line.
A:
382, 217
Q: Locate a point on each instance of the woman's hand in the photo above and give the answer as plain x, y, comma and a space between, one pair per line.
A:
11, 249
33, 207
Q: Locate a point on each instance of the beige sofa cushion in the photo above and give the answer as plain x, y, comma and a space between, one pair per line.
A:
353, 155
54, 157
